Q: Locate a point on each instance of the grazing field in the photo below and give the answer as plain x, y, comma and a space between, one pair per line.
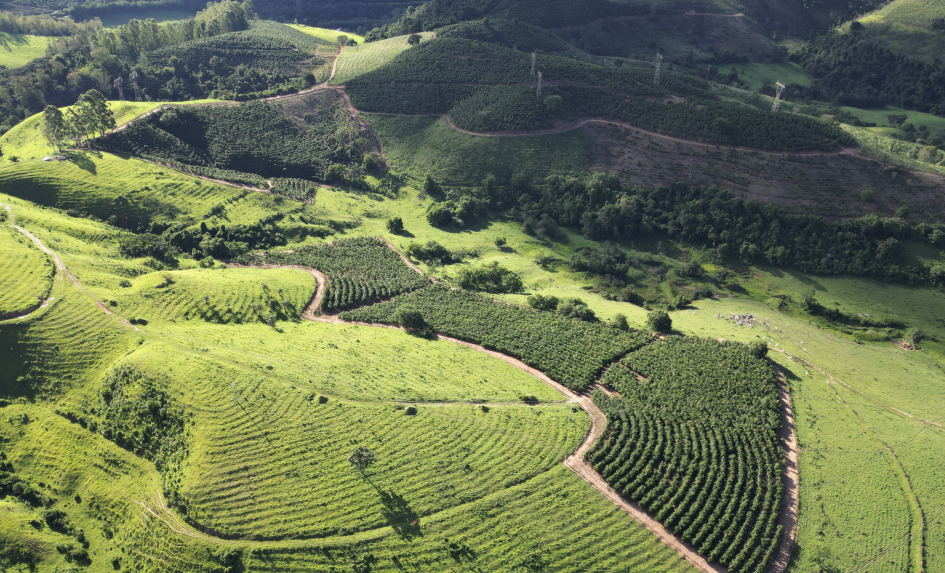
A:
568, 350
363, 58
428, 145
905, 27
224, 296
25, 142
326, 34
135, 192
358, 270
756, 74
877, 145
26, 273
19, 49
880, 116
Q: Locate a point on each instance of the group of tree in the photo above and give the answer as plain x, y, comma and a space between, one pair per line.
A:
87, 56
41, 25
854, 70
88, 118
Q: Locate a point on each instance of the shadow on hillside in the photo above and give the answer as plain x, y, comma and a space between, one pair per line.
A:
399, 515
9, 41
82, 161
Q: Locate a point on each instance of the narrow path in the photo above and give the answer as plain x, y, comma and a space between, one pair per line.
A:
63, 271
790, 500
577, 463
56, 260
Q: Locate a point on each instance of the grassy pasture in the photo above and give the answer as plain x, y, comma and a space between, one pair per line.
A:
360, 59
19, 49
755, 74
877, 145
26, 273
104, 185
26, 142
905, 27
326, 34
421, 145
880, 116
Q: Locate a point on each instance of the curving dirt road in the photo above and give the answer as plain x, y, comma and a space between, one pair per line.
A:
577, 463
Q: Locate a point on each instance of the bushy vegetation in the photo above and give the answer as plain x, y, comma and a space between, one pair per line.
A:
307, 137
603, 209
490, 278
695, 444
855, 71
505, 32
87, 59
570, 351
358, 270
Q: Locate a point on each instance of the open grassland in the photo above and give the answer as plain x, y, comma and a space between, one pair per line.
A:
133, 191
880, 116
26, 142
756, 74
326, 34
26, 273
229, 296
19, 49
363, 58
905, 27
428, 145
828, 185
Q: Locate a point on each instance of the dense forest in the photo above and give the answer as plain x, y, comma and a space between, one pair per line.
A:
92, 57
852, 70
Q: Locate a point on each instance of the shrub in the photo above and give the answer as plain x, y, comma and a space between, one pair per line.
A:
411, 411
619, 322
124, 283
902, 213
576, 308
540, 302
500, 242
659, 321
490, 278
395, 225
409, 317
866, 195
758, 349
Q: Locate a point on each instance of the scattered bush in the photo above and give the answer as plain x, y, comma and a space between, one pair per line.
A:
490, 278
659, 321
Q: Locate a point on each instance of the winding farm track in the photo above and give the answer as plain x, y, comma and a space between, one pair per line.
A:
575, 461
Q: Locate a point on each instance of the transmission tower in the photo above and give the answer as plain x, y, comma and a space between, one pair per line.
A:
656, 76
777, 97
134, 82
118, 84
534, 58
539, 84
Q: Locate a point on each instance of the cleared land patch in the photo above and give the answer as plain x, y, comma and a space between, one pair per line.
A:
19, 49
829, 185
363, 58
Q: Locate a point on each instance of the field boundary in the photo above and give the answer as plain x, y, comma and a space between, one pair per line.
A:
577, 463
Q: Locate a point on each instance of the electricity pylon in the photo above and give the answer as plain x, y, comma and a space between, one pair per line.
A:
777, 97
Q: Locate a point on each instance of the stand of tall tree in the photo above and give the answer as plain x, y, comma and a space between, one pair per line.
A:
90, 117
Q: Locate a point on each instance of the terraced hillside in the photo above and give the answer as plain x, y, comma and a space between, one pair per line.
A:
27, 272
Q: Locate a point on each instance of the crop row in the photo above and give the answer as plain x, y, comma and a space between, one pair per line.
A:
568, 350
358, 270
695, 444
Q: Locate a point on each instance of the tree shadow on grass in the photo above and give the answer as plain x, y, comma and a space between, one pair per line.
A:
398, 514
82, 161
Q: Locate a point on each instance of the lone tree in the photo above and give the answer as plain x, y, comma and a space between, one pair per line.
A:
659, 321
54, 126
361, 458
395, 225
413, 39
